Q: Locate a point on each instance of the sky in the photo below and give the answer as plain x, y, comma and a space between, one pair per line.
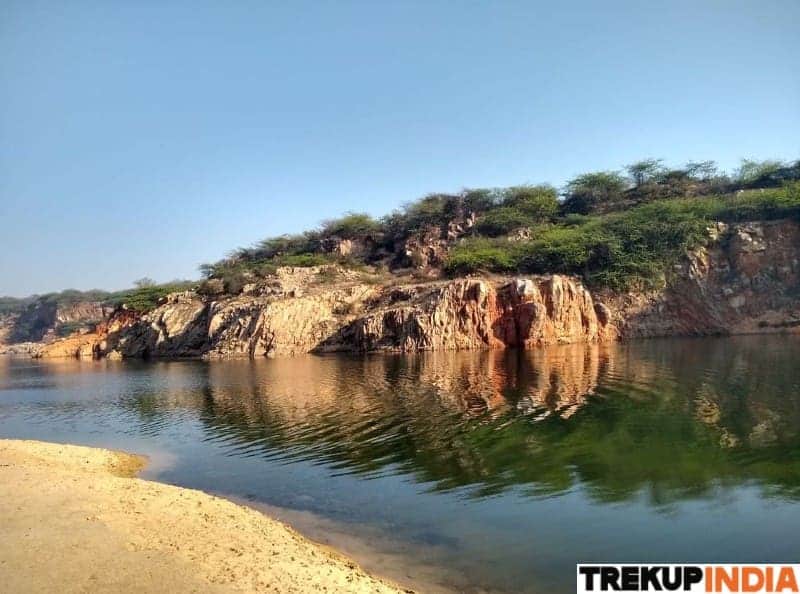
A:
142, 138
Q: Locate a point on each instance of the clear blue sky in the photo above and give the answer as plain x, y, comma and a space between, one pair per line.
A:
143, 138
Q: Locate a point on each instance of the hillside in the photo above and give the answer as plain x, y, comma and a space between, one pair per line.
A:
658, 253
613, 230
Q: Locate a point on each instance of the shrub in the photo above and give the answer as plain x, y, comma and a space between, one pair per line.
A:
588, 192
540, 203
626, 248
13, 304
211, 287
281, 245
611, 230
68, 328
302, 260
645, 171
481, 255
501, 221
72, 296
146, 298
574, 250
434, 209
480, 200
751, 170
521, 206
701, 170
351, 226
764, 204
574, 219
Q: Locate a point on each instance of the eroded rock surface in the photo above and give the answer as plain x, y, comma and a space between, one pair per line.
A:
476, 313
747, 279
454, 315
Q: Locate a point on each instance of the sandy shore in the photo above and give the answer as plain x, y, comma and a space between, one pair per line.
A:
75, 520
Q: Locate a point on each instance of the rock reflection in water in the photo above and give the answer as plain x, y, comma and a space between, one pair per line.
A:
671, 419
503, 468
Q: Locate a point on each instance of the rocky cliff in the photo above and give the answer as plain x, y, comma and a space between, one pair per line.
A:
747, 279
459, 314
45, 320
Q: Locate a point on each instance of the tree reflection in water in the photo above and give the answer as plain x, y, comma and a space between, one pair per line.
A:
672, 419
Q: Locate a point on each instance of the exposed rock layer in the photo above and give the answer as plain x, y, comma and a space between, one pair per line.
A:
462, 314
746, 280
43, 320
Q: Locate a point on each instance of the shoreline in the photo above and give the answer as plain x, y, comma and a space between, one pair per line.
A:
79, 517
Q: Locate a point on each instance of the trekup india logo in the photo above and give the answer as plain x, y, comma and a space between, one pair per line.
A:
717, 579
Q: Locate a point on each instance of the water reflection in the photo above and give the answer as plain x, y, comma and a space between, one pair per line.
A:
504, 469
672, 419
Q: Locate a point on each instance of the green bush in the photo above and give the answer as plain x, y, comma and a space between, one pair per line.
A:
303, 260
146, 298
521, 206
281, 245
751, 170
540, 203
481, 254
590, 192
480, 200
501, 221
611, 229
760, 204
573, 250
13, 304
432, 210
68, 328
351, 226
621, 249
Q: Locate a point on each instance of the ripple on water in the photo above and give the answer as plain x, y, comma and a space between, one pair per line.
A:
511, 465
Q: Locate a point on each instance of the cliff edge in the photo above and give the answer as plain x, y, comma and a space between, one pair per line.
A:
745, 280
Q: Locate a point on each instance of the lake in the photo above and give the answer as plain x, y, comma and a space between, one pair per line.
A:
474, 472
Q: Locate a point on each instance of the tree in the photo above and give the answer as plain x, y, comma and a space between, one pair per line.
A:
701, 170
586, 192
479, 199
647, 170
207, 270
750, 170
500, 221
353, 225
433, 209
144, 283
537, 202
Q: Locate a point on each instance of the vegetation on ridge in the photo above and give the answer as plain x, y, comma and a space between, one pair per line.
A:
143, 296
615, 229
618, 249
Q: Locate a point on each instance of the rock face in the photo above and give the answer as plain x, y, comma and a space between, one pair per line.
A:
461, 314
282, 326
249, 326
28, 349
88, 344
7, 323
43, 320
475, 314
81, 346
175, 328
427, 249
747, 279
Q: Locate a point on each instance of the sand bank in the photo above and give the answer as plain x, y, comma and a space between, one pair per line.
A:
75, 519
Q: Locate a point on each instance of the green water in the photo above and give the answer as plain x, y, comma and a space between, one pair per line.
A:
491, 471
